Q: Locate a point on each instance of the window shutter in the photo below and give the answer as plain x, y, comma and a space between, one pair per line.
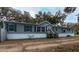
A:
15, 27
1, 24
7, 26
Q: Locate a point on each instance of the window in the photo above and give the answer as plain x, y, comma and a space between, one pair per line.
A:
38, 29
12, 27
28, 28
56, 28
63, 31
69, 29
43, 29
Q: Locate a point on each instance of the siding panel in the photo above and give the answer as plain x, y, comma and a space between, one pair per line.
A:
19, 28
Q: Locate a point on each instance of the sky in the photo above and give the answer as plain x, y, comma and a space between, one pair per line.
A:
34, 10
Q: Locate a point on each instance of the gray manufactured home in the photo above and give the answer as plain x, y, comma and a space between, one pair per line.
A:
10, 30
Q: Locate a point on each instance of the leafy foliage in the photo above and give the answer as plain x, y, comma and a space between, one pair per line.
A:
76, 28
16, 15
69, 9
53, 19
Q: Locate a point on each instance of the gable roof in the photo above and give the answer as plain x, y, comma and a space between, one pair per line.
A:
53, 25
44, 22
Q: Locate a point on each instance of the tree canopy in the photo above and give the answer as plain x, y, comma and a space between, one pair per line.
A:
17, 15
69, 10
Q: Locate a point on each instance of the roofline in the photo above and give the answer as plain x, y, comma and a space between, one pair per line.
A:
35, 24
20, 22
44, 21
26, 23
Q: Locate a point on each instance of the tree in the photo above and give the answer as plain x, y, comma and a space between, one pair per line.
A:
27, 17
69, 10
57, 17
76, 28
4, 10
39, 17
15, 15
53, 19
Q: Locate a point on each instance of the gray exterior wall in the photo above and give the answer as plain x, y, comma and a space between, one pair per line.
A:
60, 30
56, 29
20, 28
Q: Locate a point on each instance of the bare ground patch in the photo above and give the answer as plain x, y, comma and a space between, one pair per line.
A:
41, 45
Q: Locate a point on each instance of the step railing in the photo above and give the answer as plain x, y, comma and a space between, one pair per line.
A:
52, 33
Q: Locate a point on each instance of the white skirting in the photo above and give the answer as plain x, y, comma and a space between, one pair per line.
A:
65, 34
23, 36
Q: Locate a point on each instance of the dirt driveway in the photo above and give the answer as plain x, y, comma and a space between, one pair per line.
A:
36, 45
